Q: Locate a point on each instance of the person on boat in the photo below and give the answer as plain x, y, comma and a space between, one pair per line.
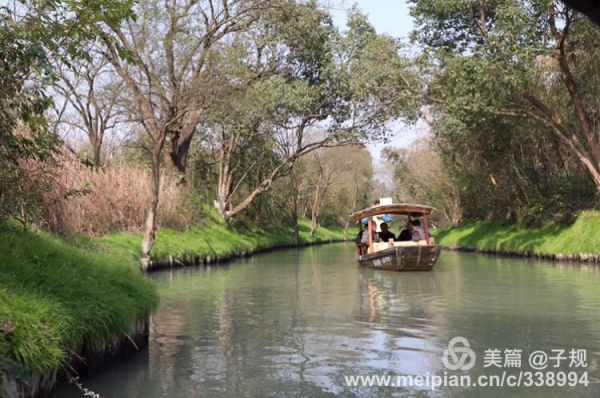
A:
361, 247
405, 234
362, 227
365, 235
417, 233
385, 235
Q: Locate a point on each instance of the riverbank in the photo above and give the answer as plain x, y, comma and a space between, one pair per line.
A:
579, 241
213, 242
59, 300
78, 303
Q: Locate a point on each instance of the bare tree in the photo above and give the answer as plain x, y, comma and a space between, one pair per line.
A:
327, 168
420, 176
89, 89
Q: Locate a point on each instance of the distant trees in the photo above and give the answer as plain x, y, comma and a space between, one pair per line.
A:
419, 176
90, 93
326, 187
339, 181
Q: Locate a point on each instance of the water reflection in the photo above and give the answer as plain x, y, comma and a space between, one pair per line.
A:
293, 323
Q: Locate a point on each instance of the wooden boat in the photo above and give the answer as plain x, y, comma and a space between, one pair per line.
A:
398, 256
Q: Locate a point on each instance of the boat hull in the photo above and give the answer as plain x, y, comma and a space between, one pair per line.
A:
410, 258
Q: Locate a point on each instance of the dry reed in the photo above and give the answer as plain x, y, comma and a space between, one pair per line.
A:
114, 198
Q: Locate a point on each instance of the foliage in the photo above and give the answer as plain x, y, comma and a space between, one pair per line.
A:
23, 134
513, 92
295, 84
31, 35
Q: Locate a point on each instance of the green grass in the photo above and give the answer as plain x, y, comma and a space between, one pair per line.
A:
214, 239
581, 237
57, 297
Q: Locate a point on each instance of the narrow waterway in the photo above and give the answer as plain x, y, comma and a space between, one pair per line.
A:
297, 323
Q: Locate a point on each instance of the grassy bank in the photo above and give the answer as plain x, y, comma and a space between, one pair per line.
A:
583, 237
213, 239
57, 296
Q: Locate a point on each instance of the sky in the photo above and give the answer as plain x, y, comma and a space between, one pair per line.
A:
390, 17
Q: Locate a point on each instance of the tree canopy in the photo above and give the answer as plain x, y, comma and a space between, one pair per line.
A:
513, 80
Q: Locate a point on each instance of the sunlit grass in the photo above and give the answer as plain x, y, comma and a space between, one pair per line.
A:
581, 237
57, 296
214, 239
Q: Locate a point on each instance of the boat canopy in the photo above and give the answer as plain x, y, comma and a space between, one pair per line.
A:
396, 208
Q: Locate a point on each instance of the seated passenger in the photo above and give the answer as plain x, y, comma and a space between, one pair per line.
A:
365, 235
405, 234
385, 235
417, 232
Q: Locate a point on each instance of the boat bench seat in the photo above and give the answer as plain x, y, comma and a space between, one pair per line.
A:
378, 246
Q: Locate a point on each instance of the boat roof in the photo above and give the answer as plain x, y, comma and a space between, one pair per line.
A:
407, 209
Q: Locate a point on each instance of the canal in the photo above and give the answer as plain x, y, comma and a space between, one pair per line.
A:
299, 323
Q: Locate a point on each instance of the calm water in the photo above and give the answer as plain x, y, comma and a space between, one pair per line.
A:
295, 322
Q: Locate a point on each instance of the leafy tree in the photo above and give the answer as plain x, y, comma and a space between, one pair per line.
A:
530, 61
297, 74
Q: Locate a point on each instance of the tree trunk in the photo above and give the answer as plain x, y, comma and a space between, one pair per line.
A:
316, 206
97, 155
354, 203
150, 228
590, 157
224, 189
96, 143
179, 151
296, 229
296, 226
592, 165
314, 225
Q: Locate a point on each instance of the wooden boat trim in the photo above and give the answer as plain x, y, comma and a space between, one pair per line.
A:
408, 209
402, 258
